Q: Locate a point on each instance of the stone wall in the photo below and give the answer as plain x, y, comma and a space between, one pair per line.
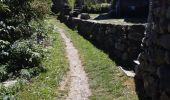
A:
154, 70
120, 41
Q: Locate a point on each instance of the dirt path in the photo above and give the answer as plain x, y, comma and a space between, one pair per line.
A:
78, 86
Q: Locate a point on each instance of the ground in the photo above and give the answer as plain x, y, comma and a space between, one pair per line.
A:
79, 87
72, 56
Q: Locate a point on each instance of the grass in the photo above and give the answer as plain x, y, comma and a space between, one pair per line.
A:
106, 81
44, 86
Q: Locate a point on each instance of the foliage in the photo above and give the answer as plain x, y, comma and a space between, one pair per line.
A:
44, 86
98, 8
41, 8
25, 51
3, 72
96, 1
23, 42
71, 3
20, 51
8, 93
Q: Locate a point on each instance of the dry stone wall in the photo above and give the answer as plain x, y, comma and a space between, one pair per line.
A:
154, 70
119, 41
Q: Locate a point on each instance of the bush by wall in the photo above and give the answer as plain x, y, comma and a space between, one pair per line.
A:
19, 48
97, 8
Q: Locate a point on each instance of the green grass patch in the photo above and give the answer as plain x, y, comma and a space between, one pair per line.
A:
45, 86
106, 81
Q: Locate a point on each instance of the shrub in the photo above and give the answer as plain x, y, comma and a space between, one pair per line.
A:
24, 54
3, 72
97, 8
20, 53
41, 8
4, 54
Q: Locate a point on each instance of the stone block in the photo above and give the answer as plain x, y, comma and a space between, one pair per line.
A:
85, 16
164, 41
164, 96
135, 36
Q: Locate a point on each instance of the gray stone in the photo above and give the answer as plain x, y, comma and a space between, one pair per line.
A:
120, 46
150, 85
164, 41
168, 13
125, 56
135, 36
169, 28
85, 16
156, 11
167, 57
142, 57
159, 56
164, 75
164, 96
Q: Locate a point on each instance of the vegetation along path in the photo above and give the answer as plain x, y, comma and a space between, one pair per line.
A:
79, 87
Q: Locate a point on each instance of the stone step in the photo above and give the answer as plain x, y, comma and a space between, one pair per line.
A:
129, 73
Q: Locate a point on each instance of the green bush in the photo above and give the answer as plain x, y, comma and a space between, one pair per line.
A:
24, 54
97, 8
20, 51
4, 54
3, 72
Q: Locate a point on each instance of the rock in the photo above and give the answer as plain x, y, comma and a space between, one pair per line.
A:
156, 11
168, 13
150, 68
75, 14
150, 85
142, 56
169, 28
164, 75
125, 56
127, 72
135, 36
164, 41
85, 16
120, 46
159, 56
167, 57
139, 72
10, 83
164, 96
